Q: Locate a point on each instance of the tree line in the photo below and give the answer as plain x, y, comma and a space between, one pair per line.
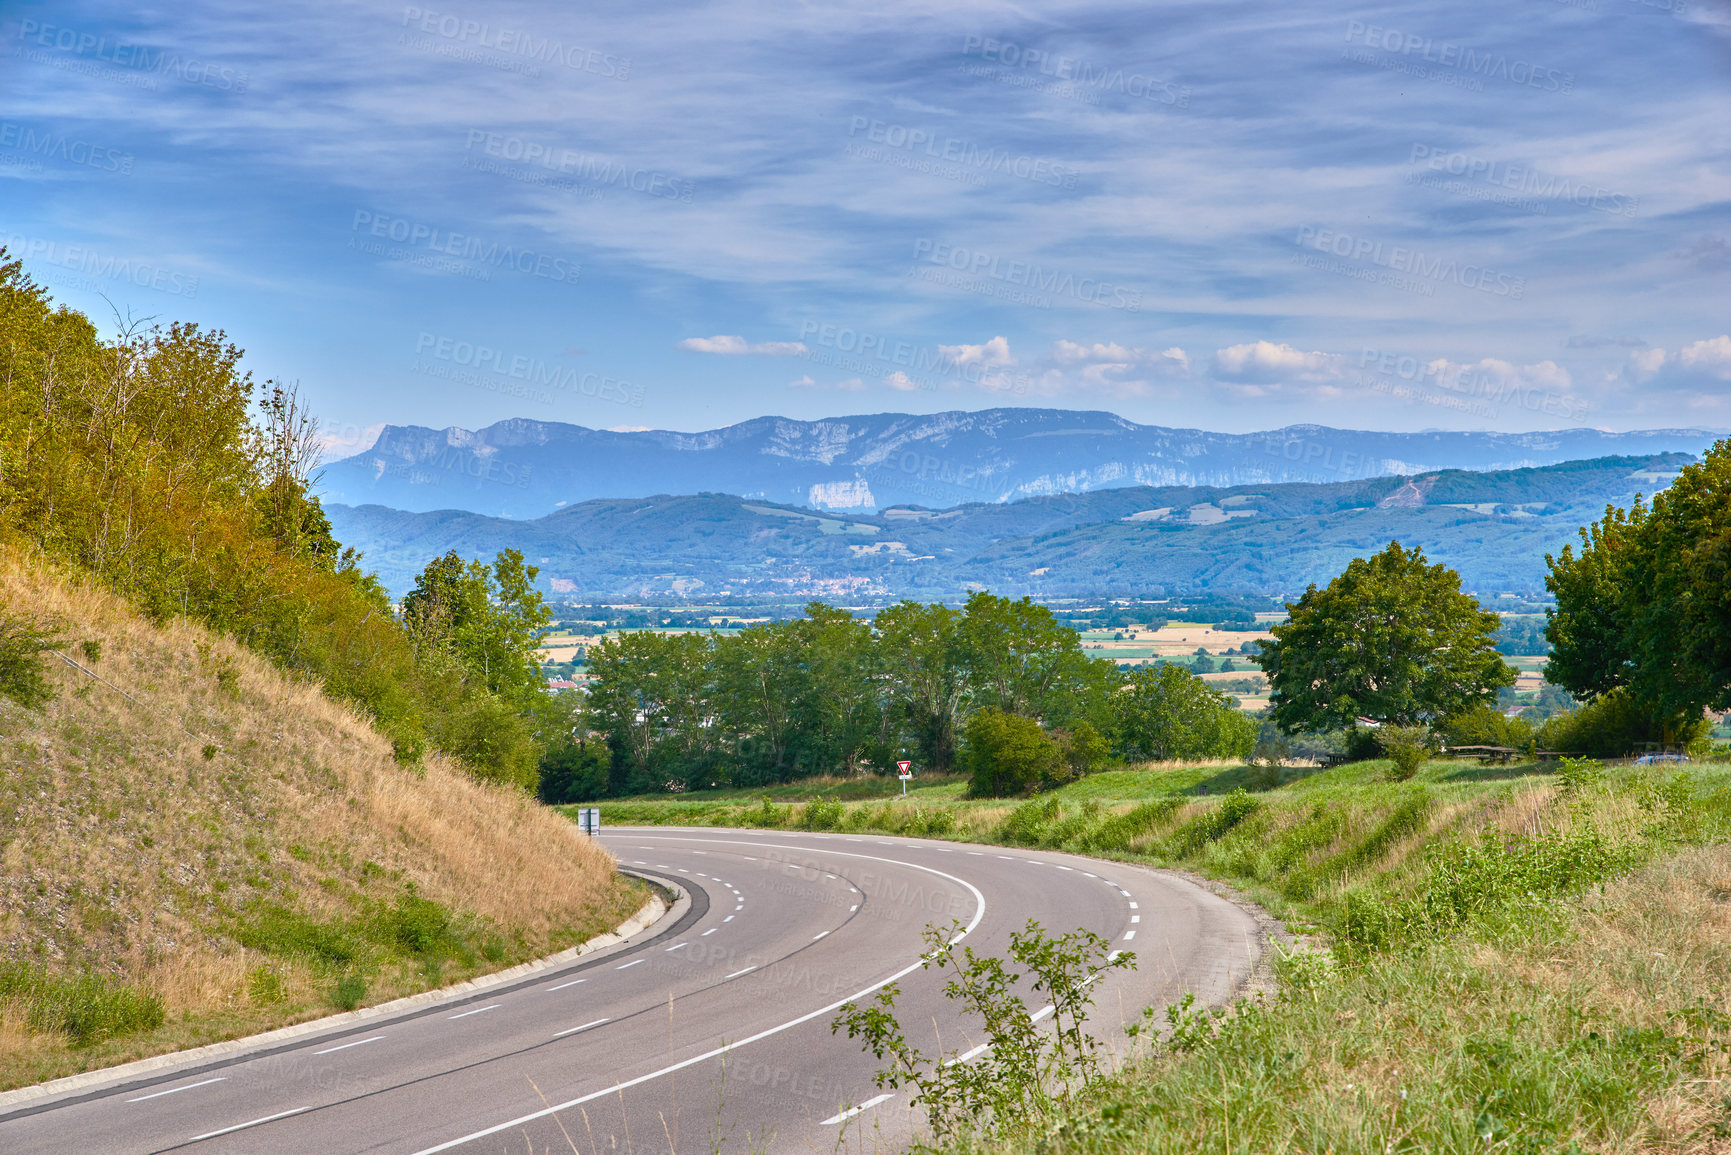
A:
151, 463
943, 687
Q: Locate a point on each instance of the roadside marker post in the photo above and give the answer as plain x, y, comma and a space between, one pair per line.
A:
904, 771
589, 819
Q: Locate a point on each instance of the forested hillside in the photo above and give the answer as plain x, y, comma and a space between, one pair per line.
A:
1495, 528
238, 790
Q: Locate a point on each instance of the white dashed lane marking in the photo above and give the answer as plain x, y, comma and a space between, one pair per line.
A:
852, 1111
190, 1086
346, 1046
574, 1030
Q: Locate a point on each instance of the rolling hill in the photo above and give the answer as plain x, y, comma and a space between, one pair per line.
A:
1495, 527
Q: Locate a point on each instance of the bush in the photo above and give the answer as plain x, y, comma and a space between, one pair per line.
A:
1407, 747
23, 669
418, 925
1614, 725
1006, 754
349, 992
1487, 726
821, 814
496, 742
573, 772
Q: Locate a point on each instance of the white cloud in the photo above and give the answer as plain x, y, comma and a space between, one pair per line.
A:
1265, 363
726, 346
901, 381
1710, 358
1700, 363
992, 355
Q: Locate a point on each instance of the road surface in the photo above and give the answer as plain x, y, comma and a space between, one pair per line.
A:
709, 1030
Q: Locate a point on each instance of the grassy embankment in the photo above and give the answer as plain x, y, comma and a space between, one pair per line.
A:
1522, 959
205, 849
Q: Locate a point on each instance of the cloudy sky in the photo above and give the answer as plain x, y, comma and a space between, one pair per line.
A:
1230, 215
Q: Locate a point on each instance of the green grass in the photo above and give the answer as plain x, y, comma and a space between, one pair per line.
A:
86, 1008
1520, 960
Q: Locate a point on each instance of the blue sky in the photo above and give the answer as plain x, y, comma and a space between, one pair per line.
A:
1233, 216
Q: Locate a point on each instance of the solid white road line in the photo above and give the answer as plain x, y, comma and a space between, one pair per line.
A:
250, 1123
725, 1048
346, 1046
476, 1011
572, 983
177, 1090
584, 1027
852, 1111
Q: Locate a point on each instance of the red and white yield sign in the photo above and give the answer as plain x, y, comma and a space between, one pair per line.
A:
905, 769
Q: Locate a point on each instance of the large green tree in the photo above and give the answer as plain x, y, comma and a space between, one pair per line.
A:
1392, 639
1645, 606
929, 690
1165, 712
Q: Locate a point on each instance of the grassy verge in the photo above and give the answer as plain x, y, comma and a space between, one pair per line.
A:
1519, 960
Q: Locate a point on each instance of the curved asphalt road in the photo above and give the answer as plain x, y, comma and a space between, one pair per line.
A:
710, 1030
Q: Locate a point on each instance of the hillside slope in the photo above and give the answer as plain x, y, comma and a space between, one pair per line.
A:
195, 848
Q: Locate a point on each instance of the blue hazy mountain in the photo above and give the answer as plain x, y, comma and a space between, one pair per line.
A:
1495, 527
527, 469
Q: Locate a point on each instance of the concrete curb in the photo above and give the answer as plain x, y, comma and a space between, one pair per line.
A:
651, 913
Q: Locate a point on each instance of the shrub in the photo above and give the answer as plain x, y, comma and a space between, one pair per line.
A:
1614, 725
821, 814
349, 992
1407, 747
23, 669
1006, 754
418, 925
573, 772
1485, 725
488, 734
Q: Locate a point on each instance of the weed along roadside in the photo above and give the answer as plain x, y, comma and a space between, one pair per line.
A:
1518, 958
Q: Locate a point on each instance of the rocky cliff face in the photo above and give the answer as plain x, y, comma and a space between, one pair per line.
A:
524, 468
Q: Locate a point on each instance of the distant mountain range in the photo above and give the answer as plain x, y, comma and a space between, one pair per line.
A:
1494, 527
527, 469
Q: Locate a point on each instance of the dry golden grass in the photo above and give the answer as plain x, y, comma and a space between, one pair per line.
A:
137, 818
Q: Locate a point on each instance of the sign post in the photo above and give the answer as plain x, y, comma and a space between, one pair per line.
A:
904, 771
589, 820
